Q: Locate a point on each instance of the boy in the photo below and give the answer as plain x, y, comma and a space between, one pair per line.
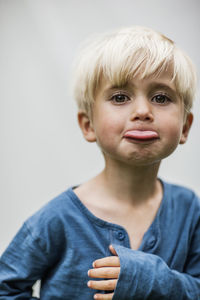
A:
135, 236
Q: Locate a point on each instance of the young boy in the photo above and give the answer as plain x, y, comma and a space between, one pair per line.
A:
134, 235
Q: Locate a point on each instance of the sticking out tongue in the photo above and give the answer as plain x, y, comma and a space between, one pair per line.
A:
141, 134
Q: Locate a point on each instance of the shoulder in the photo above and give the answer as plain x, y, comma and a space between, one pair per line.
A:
179, 192
181, 198
52, 218
57, 205
44, 235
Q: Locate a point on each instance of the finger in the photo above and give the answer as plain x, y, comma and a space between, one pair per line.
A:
104, 296
109, 261
103, 285
112, 250
106, 272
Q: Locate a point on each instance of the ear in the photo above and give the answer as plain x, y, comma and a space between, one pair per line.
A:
86, 127
186, 128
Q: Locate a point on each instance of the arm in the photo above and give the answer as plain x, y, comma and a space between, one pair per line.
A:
146, 276
21, 265
139, 275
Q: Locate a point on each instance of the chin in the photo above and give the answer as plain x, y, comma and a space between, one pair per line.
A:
145, 162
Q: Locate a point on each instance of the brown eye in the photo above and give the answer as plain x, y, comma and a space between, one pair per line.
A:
160, 99
119, 98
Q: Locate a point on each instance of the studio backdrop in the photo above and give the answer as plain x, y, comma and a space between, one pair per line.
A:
42, 149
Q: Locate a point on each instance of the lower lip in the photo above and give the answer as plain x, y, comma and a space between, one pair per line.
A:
141, 136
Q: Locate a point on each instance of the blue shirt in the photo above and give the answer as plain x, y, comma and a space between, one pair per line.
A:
59, 243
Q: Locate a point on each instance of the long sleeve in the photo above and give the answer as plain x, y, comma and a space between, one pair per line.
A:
36, 253
146, 276
21, 265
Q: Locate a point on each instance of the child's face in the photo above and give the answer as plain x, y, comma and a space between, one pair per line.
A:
140, 123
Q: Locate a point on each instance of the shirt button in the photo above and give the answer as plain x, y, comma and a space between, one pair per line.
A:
120, 235
151, 242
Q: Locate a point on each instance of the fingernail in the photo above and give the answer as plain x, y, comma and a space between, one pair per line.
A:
88, 272
93, 264
95, 297
89, 283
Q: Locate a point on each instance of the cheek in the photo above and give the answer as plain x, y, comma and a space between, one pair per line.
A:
106, 133
108, 124
108, 130
173, 135
171, 124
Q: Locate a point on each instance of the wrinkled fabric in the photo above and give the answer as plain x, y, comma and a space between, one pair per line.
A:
59, 243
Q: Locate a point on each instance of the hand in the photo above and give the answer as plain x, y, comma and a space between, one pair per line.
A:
107, 268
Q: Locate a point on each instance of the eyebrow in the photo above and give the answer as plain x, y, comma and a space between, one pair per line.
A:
151, 86
157, 85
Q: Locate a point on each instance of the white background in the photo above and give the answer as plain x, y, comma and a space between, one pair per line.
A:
42, 151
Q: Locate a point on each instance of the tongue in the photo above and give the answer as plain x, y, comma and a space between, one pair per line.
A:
140, 134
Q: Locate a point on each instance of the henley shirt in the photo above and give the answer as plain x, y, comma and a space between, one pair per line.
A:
59, 243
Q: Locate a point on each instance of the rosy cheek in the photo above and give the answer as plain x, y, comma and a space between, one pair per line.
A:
173, 136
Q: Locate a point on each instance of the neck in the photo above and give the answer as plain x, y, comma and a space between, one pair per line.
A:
134, 185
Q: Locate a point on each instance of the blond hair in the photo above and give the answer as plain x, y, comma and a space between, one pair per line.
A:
129, 52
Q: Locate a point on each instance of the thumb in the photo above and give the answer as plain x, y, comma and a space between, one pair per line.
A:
112, 250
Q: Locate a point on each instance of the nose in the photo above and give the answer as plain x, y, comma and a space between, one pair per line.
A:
142, 110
